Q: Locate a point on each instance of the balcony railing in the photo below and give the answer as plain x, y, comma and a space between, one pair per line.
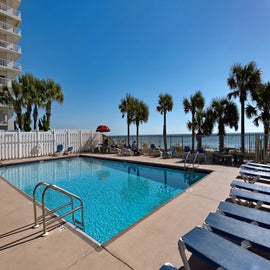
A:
10, 46
10, 10
10, 28
4, 81
10, 64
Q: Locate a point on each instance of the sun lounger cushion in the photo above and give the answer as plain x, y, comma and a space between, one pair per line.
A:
252, 187
219, 252
247, 214
239, 231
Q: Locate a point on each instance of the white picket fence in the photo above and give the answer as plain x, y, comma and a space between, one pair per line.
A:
19, 144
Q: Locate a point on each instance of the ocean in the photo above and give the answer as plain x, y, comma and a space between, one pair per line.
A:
231, 140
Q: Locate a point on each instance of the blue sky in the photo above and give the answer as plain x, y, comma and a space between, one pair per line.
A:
100, 50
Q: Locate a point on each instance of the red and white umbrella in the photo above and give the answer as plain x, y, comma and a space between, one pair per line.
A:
103, 128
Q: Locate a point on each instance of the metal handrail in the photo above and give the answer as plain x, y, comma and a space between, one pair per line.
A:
187, 157
194, 160
69, 194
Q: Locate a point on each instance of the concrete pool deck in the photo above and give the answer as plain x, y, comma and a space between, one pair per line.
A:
147, 245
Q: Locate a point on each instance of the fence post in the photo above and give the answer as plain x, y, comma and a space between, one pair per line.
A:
80, 143
19, 144
68, 138
53, 141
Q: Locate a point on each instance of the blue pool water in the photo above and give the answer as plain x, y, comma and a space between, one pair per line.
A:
115, 194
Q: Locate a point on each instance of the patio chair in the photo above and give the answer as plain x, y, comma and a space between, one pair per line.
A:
200, 155
125, 152
246, 234
69, 150
186, 153
247, 197
251, 187
247, 214
114, 149
168, 154
59, 150
253, 176
218, 252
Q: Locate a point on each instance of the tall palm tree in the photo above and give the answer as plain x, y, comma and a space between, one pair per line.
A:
51, 92
14, 98
241, 81
199, 125
224, 113
193, 105
37, 100
165, 104
126, 107
27, 82
141, 114
261, 109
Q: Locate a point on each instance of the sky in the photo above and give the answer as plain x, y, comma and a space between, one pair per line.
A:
100, 50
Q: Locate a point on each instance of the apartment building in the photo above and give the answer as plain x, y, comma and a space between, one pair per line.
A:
10, 51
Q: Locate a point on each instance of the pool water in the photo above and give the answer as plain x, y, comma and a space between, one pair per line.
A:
115, 194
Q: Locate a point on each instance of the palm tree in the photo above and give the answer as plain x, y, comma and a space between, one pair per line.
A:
126, 107
141, 114
193, 105
27, 82
51, 92
199, 126
243, 80
165, 104
261, 110
224, 113
38, 100
13, 98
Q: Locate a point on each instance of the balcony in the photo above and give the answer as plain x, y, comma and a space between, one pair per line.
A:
9, 29
4, 81
12, 48
10, 11
15, 67
15, 3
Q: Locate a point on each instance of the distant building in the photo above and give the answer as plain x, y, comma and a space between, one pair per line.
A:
10, 34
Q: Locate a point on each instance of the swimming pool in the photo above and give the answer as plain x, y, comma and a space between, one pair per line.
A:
115, 194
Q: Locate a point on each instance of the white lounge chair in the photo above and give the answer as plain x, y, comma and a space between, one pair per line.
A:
168, 154
126, 152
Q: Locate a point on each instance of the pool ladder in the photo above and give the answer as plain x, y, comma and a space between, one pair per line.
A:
72, 198
192, 160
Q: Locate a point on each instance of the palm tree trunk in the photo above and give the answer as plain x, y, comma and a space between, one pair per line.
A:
48, 113
221, 142
243, 126
193, 134
35, 116
19, 116
137, 136
128, 133
164, 133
